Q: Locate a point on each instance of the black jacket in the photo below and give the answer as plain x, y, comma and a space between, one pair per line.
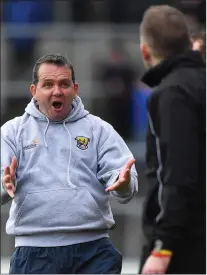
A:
175, 207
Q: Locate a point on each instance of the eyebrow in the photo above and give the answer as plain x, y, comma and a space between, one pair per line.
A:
47, 79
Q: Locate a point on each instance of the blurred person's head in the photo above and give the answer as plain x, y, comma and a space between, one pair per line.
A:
163, 33
197, 33
53, 86
118, 52
199, 42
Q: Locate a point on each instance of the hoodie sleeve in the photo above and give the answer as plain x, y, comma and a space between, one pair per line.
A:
113, 155
8, 150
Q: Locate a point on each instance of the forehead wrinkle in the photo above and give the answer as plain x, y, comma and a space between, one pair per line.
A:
62, 76
54, 72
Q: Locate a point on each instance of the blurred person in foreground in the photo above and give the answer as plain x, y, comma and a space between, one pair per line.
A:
59, 165
174, 218
196, 22
199, 42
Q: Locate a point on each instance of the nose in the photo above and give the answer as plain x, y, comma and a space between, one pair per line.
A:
57, 91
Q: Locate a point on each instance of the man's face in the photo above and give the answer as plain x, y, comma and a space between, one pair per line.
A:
54, 91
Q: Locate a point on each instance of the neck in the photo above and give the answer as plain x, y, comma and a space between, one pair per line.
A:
156, 61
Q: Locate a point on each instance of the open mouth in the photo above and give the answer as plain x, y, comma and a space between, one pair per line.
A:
57, 105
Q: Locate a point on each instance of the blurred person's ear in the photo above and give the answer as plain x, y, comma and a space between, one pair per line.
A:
76, 89
197, 45
33, 90
146, 54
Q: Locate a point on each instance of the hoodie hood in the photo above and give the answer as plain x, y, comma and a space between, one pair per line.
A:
77, 112
190, 59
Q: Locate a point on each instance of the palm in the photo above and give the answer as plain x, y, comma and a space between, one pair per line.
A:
124, 174
123, 179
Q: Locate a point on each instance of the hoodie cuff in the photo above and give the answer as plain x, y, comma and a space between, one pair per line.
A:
164, 245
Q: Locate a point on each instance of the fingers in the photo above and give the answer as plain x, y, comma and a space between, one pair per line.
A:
9, 187
13, 166
130, 163
8, 178
124, 178
126, 175
11, 170
152, 271
6, 171
10, 191
114, 186
7, 182
120, 184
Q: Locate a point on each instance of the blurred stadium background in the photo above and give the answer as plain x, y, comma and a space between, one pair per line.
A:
101, 38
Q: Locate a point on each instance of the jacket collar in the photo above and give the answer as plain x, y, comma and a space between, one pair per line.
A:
190, 59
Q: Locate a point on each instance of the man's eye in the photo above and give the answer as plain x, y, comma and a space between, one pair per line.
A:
65, 85
48, 85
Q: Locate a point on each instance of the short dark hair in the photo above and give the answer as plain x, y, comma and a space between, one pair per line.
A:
165, 30
55, 59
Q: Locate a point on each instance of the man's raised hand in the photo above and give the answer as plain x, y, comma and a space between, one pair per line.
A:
8, 178
123, 180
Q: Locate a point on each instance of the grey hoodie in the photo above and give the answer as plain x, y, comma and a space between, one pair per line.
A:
63, 170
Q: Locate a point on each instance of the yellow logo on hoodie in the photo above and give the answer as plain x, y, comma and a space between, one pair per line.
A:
31, 145
82, 142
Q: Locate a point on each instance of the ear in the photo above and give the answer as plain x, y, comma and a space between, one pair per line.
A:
33, 90
197, 45
144, 48
76, 88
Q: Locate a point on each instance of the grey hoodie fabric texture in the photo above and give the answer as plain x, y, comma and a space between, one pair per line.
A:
63, 170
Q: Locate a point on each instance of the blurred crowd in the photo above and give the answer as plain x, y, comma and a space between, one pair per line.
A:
118, 76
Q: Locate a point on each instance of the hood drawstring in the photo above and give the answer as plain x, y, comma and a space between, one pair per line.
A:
70, 144
69, 158
45, 131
